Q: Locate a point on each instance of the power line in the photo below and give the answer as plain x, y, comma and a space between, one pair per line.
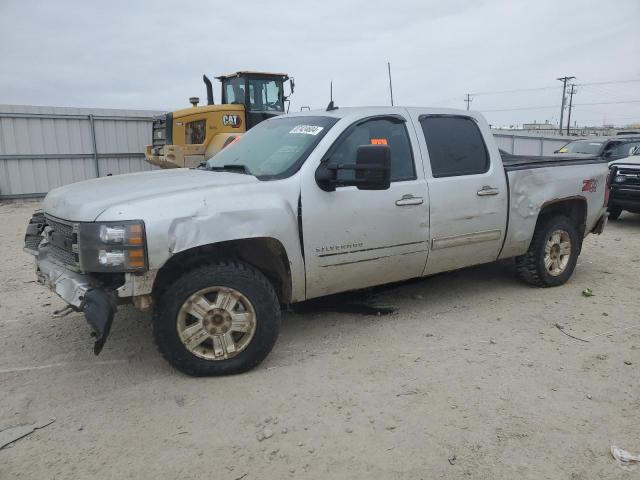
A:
608, 103
550, 87
542, 107
516, 90
611, 82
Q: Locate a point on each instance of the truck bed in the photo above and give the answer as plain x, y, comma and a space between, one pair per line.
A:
525, 162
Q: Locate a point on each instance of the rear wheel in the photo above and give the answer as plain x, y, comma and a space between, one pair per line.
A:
614, 213
552, 255
218, 319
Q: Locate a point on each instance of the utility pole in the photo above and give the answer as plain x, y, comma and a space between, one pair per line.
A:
564, 81
571, 93
390, 85
468, 100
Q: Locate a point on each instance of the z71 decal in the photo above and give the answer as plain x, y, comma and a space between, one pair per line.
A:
590, 185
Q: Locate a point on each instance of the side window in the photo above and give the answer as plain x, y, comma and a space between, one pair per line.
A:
455, 146
234, 90
380, 131
194, 132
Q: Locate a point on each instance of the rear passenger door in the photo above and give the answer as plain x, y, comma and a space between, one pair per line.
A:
467, 189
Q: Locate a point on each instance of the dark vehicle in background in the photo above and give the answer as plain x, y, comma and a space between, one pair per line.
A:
608, 147
625, 185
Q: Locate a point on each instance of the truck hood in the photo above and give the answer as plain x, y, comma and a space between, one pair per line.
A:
634, 160
85, 201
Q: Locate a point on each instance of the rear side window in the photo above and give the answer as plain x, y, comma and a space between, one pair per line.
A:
377, 131
455, 146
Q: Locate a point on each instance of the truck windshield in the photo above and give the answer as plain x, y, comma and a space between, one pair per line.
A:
592, 148
275, 148
265, 95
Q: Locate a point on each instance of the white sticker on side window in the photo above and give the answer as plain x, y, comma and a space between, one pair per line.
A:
307, 129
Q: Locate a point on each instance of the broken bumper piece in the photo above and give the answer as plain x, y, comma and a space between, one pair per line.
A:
82, 293
99, 309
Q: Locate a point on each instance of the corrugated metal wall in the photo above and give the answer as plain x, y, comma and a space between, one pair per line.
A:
45, 147
42, 148
523, 144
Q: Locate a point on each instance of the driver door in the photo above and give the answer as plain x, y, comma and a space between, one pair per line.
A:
358, 238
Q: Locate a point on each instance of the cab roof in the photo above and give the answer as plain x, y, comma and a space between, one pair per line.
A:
249, 73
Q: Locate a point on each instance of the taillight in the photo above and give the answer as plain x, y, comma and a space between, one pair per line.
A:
607, 187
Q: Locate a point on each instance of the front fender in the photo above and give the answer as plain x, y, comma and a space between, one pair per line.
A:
184, 221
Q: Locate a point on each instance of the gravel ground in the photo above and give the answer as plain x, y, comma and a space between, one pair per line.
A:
468, 376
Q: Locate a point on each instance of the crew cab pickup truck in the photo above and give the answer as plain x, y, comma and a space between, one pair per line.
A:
306, 205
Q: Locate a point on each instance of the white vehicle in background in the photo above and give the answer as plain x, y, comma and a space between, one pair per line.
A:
306, 205
611, 148
625, 184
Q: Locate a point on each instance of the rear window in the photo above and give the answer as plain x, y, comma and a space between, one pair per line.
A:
455, 146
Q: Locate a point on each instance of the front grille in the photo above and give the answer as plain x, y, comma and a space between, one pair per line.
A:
159, 133
31, 242
65, 229
632, 177
64, 256
63, 242
33, 235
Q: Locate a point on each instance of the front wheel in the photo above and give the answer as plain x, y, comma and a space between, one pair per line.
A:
552, 255
219, 319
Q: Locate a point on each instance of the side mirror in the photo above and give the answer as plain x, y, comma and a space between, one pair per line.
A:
635, 151
372, 170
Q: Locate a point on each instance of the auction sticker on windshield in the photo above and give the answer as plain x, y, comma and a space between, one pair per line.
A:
307, 129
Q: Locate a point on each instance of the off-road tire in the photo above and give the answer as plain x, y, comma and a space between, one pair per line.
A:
614, 213
226, 273
530, 267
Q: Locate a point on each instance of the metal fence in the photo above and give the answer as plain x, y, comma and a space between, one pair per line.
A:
42, 148
524, 144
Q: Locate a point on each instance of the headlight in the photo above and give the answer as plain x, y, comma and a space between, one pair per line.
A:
112, 247
619, 178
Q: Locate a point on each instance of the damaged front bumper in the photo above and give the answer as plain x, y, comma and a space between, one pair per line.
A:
82, 292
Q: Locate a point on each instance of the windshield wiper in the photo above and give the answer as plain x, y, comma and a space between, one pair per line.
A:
232, 167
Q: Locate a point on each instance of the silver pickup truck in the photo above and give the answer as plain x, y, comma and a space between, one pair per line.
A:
305, 205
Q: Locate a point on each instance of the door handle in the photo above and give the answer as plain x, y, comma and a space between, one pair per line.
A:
409, 200
487, 190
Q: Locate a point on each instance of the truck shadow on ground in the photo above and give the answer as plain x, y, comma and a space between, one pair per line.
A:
391, 298
628, 222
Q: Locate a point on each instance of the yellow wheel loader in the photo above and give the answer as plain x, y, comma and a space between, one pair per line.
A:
188, 137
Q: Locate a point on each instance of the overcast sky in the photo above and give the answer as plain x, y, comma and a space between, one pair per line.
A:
152, 54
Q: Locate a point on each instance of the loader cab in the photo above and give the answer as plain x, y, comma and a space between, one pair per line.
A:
262, 94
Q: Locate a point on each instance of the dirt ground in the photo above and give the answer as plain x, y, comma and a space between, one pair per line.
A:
467, 376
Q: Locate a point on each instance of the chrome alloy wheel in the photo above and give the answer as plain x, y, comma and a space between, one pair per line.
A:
216, 323
557, 252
